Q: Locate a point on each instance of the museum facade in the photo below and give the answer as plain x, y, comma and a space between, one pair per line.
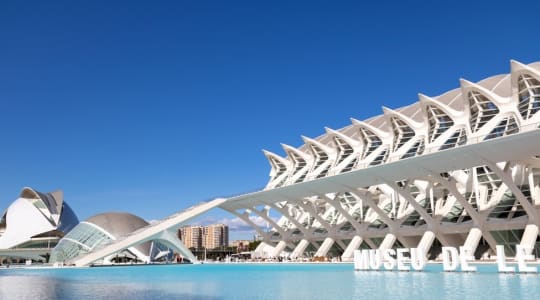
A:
459, 169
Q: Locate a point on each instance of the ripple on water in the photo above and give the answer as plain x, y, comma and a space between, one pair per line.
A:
261, 281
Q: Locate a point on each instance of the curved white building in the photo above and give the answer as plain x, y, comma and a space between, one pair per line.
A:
458, 169
102, 229
34, 223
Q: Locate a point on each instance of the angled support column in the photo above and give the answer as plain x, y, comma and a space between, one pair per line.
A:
477, 219
307, 208
259, 251
370, 243
388, 241
409, 241
341, 244
528, 240
325, 247
473, 239
384, 217
353, 245
265, 217
300, 248
283, 211
278, 249
451, 187
336, 205
433, 225
426, 242
507, 179
417, 207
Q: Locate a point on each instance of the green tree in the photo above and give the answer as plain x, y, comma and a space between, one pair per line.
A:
253, 245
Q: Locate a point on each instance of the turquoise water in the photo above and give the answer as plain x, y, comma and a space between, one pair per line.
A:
262, 281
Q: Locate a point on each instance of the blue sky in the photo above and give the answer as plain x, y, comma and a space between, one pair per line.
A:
153, 106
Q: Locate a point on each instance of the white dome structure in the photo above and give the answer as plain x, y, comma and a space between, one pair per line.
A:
34, 223
102, 229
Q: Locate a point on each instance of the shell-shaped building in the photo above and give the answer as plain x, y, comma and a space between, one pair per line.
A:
459, 169
34, 223
102, 229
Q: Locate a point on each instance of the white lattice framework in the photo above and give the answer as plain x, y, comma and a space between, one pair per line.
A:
368, 184
460, 169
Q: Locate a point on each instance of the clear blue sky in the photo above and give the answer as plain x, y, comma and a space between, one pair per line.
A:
150, 107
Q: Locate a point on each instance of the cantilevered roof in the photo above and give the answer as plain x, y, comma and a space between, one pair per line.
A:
498, 84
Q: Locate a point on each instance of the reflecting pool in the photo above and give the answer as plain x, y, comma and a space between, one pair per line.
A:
262, 281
